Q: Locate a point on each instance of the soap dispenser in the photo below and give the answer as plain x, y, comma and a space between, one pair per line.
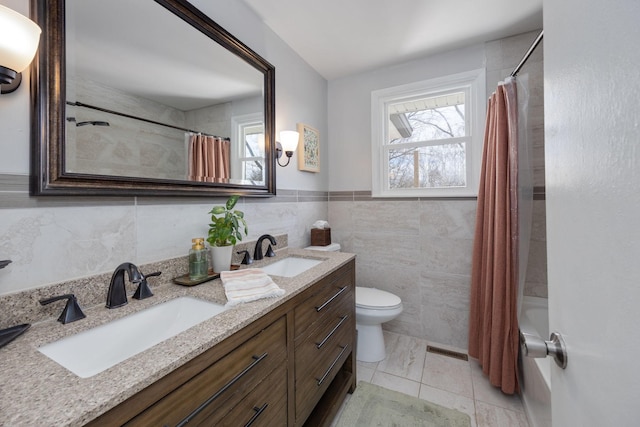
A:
198, 262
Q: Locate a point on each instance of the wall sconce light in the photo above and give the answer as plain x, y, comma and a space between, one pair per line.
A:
287, 144
19, 38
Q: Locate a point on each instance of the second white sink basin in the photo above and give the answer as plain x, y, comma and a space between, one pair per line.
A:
95, 350
290, 266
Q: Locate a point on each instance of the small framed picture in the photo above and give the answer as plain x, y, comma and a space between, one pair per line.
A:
308, 148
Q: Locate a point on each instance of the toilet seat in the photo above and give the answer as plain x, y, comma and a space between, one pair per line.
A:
376, 299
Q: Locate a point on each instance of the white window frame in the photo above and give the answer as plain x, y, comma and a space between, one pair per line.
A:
473, 83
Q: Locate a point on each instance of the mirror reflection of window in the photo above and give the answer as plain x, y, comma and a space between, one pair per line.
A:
253, 159
249, 162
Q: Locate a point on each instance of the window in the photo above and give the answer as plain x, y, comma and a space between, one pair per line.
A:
249, 149
427, 137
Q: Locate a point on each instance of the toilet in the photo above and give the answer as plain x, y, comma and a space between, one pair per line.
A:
373, 308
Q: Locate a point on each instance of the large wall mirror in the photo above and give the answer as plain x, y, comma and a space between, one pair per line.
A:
148, 97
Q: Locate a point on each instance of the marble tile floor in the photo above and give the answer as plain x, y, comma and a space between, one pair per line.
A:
447, 381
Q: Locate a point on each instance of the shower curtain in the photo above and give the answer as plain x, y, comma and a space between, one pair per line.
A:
209, 158
493, 324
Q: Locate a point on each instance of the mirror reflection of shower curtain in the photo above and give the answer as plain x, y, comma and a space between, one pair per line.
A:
209, 158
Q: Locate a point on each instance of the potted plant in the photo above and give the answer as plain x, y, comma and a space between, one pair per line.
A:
225, 229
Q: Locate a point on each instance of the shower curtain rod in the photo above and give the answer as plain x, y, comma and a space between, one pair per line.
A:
80, 104
528, 54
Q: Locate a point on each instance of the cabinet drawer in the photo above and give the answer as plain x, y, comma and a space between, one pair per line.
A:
329, 295
313, 376
265, 406
325, 337
224, 383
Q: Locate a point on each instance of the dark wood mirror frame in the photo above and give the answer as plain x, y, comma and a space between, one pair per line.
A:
48, 92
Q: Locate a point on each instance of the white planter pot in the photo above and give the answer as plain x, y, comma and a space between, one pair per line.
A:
221, 256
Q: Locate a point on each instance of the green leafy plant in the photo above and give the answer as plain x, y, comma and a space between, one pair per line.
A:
227, 224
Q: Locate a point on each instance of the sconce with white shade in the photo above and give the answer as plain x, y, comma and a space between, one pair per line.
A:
19, 39
287, 144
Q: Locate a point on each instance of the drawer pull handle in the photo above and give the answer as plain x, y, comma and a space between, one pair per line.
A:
333, 331
326, 374
257, 414
256, 360
327, 302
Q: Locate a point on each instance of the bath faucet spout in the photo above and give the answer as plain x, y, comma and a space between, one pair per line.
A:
257, 253
117, 293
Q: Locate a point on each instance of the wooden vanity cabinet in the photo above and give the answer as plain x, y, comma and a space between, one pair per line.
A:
291, 367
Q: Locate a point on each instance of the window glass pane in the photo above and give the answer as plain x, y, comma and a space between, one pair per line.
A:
252, 156
429, 118
254, 141
439, 166
253, 170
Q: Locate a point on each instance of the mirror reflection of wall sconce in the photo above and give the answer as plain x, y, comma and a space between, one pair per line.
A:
287, 144
19, 39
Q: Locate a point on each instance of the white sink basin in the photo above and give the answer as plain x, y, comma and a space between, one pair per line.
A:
290, 266
91, 352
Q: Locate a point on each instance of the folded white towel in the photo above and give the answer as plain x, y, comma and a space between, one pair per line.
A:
248, 285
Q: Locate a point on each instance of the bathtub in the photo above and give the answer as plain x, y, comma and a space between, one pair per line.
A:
535, 374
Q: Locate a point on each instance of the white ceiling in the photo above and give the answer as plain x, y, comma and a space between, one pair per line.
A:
342, 37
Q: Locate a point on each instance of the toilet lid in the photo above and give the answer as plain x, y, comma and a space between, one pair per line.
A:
376, 298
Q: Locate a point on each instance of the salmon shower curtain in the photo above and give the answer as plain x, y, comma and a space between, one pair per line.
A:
209, 158
493, 321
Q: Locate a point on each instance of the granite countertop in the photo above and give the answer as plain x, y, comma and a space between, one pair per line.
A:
36, 391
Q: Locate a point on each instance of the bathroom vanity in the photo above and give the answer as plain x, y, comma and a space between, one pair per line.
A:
274, 362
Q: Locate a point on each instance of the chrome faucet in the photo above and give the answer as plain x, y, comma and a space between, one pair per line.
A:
257, 253
117, 294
